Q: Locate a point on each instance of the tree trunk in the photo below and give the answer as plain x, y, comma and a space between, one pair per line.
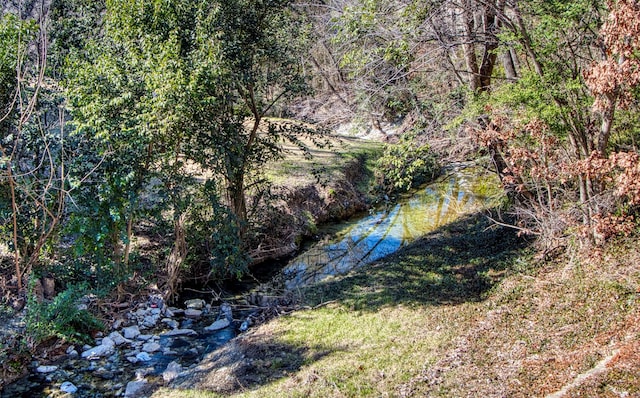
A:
491, 25
238, 202
607, 122
469, 47
176, 257
509, 66
526, 40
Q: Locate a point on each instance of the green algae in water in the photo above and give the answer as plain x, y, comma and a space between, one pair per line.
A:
356, 243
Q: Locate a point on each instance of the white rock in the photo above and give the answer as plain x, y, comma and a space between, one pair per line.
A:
68, 387
179, 332
132, 359
118, 339
195, 304
145, 337
244, 326
172, 371
217, 325
99, 351
151, 347
46, 369
143, 356
131, 332
135, 388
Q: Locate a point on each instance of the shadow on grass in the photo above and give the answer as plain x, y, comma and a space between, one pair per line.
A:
459, 262
247, 362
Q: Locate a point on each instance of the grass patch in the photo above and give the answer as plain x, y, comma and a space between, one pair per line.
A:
325, 165
464, 312
456, 264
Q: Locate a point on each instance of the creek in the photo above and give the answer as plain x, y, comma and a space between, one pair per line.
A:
462, 190
346, 246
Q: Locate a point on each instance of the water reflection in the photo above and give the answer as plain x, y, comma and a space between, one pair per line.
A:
355, 243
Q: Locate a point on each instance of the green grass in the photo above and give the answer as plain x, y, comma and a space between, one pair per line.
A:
463, 312
326, 164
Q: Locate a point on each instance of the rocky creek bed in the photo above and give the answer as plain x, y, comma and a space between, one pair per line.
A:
151, 347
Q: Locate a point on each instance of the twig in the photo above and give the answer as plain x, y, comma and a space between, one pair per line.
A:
323, 304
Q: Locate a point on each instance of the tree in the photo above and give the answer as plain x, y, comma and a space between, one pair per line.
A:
612, 80
246, 63
171, 85
32, 167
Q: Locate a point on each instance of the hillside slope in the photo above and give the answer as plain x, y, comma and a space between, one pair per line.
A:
464, 312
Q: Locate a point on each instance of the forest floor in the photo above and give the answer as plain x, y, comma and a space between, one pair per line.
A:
465, 311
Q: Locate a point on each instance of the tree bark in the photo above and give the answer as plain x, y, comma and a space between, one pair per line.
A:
509, 66
469, 47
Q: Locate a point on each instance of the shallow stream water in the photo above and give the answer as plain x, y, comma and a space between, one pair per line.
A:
354, 243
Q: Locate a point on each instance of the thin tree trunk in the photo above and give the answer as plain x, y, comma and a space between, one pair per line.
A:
607, 122
509, 66
526, 40
469, 47
491, 27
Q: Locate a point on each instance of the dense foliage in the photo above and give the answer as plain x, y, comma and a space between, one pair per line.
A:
122, 119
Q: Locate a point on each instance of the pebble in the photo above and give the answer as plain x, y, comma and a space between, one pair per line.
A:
131, 332
46, 369
68, 387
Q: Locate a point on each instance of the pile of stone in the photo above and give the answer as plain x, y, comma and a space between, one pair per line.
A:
148, 331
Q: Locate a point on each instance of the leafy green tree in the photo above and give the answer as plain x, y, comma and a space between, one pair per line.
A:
248, 61
171, 85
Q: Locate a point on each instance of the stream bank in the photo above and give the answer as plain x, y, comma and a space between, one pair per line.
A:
178, 342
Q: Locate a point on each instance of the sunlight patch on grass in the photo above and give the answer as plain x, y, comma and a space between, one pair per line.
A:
370, 352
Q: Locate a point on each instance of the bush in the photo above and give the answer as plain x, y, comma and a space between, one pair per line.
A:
62, 317
404, 166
